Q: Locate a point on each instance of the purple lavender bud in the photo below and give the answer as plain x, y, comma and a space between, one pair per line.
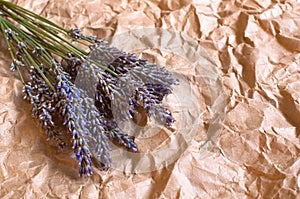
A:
58, 86
22, 45
13, 67
75, 145
78, 154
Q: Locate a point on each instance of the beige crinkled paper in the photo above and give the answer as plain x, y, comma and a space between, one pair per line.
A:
253, 45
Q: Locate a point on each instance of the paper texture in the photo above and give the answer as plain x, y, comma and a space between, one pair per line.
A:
253, 45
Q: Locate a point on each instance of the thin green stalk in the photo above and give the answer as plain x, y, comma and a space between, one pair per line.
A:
30, 58
10, 49
52, 27
29, 38
51, 32
34, 15
42, 34
45, 34
39, 70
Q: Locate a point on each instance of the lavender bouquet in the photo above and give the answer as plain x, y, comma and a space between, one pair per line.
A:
81, 83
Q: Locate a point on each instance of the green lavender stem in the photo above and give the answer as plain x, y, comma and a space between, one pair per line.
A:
37, 31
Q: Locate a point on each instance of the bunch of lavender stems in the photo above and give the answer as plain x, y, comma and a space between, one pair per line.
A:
51, 65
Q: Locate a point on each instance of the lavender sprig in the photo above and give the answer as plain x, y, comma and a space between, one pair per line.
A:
73, 117
88, 92
40, 94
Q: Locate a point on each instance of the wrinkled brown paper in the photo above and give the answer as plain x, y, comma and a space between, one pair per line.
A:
255, 46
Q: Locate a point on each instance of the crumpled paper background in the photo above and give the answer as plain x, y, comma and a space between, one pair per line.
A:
255, 46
